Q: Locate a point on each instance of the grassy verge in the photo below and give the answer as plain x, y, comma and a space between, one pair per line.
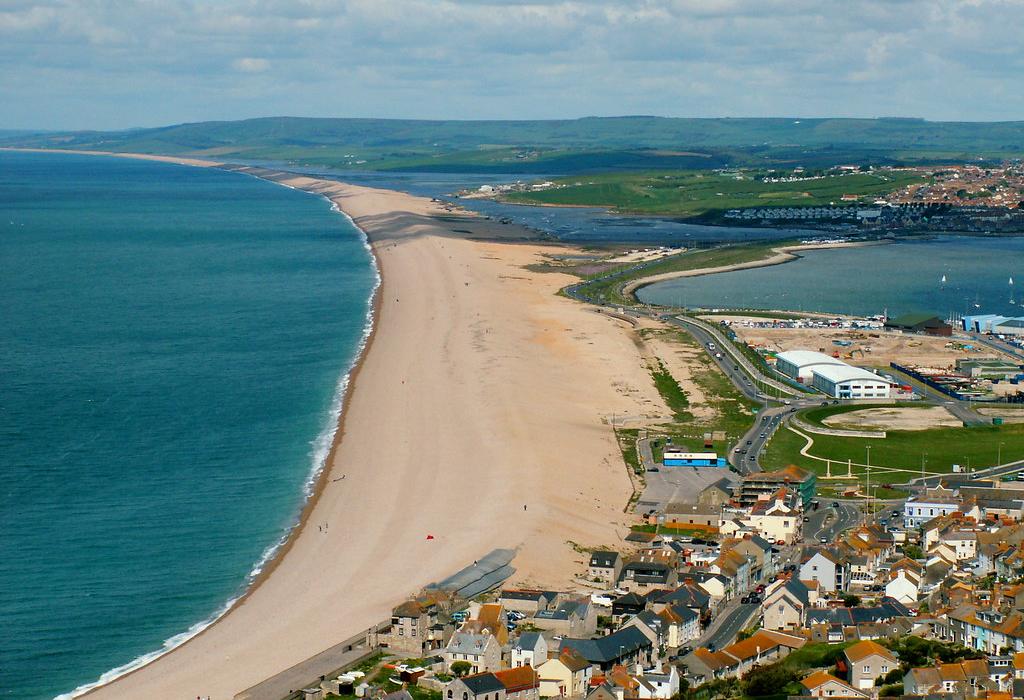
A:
940, 448
674, 396
627, 438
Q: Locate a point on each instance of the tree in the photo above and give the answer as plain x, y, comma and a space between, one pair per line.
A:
891, 691
912, 551
850, 600
461, 668
768, 680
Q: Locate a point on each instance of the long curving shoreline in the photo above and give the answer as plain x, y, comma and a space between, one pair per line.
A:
782, 254
479, 393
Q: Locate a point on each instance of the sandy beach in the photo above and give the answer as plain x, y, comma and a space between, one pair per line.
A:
479, 415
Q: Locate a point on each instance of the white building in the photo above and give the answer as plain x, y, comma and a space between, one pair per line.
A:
800, 364
849, 382
917, 510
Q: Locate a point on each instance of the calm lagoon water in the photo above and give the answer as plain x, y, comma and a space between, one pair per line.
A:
174, 344
903, 277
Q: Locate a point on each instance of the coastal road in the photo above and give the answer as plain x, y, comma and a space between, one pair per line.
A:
997, 344
1001, 470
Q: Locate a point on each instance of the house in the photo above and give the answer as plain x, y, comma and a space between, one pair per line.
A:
763, 647
715, 585
576, 618
491, 619
985, 629
824, 685
531, 649
904, 582
520, 683
775, 518
688, 595
691, 516
604, 567
866, 661
418, 627
479, 686
716, 494
681, 625
482, 651
528, 601
919, 323
831, 573
920, 509
652, 625
568, 675
651, 684
968, 677
887, 611
646, 572
763, 555
785, 606
735, 567
624, 646
628, 604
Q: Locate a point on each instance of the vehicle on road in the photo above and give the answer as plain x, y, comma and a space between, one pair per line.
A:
807, 519
835, 504
823, 540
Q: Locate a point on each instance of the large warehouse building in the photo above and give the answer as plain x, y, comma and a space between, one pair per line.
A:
800, 364
993, 323
832, 376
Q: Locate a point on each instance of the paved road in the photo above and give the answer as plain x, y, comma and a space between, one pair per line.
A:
728, 623
1001, 470
997, 344
828, 522
960, 409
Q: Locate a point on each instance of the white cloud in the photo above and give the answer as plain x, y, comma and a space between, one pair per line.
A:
251, 65
941, 59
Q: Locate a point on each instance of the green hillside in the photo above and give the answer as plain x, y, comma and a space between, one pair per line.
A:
560, 146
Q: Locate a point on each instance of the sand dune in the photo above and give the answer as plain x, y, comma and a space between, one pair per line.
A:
481, 392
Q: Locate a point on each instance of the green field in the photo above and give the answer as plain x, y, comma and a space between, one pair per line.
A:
693, 194
941, 448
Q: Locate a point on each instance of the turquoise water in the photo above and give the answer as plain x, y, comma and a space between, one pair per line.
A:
904, 277
174, 342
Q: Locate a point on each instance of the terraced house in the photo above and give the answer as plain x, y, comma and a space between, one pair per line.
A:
985, 629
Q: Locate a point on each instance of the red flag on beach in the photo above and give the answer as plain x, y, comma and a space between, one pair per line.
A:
430, 537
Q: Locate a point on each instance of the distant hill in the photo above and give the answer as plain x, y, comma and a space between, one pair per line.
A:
559, 146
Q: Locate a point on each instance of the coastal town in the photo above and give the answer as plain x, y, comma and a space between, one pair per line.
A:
742, 574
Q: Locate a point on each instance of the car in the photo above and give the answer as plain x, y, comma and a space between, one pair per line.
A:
764, 418
764, 435
823, 540
736, 450
787, 402
835, 504
883, 521
896, 514
760, 588
751, 458
685, 650
743, 451
710, 646
750, 442
807, 519
744, 600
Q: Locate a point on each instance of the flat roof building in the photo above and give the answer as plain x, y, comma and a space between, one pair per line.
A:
800, 364
849, 382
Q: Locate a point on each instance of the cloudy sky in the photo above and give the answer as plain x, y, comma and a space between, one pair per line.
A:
119, 63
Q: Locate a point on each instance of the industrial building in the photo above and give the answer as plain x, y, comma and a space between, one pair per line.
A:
832, 376
693, 459
995, 324
800, 364
849, 382
920, 323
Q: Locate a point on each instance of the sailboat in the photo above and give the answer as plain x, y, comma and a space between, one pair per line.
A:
943, 280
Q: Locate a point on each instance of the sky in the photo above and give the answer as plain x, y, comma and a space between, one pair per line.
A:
111, 64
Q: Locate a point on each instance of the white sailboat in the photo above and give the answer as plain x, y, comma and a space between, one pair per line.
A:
943, 280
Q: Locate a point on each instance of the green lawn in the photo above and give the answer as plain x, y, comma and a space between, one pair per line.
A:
978, 447
692, 194
673, 395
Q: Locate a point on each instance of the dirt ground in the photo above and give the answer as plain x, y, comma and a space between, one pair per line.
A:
894, 419
1009, 414
868, 348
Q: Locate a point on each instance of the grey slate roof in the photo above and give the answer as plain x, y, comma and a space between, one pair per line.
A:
483, 683
855, 616
528, 640
604, 559
604, 649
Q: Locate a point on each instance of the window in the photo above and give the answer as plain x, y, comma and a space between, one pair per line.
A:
401, 631
414, 631
885, 668
450, 693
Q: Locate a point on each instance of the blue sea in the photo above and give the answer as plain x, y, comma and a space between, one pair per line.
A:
905, 277
175, 343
